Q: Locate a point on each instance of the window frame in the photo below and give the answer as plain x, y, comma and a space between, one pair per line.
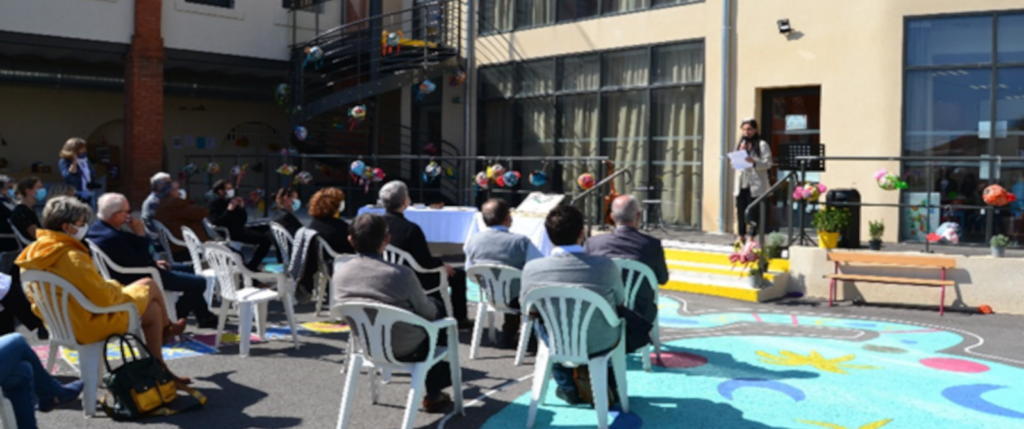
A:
557, 20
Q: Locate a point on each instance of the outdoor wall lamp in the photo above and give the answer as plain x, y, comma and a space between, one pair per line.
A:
784, 27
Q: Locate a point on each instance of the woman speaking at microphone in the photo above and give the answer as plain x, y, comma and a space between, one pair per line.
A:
752, 182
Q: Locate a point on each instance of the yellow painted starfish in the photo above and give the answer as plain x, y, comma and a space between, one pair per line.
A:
874, 425
815, 359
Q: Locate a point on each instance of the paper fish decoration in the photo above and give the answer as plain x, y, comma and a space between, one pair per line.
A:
947, 232
286, 169
511, 179
889, 181
458, 78
430, 149
425, 88
301, 133
303, 178
357, 168
449, 173
239, 169
213, 168
586, 181
356, 115
495, 171
482, 181
314, 55
538, 178
378, 174
282, 93
431, 172
998, 196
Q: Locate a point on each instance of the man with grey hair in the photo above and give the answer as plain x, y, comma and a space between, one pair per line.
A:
408, 236
131, 250
159, 186
627, 242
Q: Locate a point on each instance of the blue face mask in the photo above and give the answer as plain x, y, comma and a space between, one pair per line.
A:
296, 205
10, 194
41, 194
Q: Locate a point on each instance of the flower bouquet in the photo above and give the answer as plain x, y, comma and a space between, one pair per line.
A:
747, 254
809, 192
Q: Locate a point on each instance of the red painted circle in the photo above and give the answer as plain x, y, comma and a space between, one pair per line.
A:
954, 365
678, 360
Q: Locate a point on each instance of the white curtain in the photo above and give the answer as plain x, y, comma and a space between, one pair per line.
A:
580, 131
498, 15
536, 12
537, 78
538, 116
616, 6
581, 73
678, 138
626, 137
626, 69
679, 64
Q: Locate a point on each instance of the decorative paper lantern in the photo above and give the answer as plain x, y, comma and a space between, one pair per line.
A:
889, 181
314, 55
948, 232
431, 172
430, 149
500, 181
303, 178
282, 93
424, 89
586, 181
482, 180
511, 178
301, 133
458, 78
449, 172
357, 168
538, 178
189, 169
378, 174
356, 116
495, 171
213, 168
286, 169
998, 196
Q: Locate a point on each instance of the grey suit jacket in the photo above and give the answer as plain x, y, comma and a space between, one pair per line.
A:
628, 243
371, 279
499, 246
595, 273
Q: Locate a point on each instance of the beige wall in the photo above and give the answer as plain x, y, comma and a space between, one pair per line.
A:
853, 51
979, 280
35, 122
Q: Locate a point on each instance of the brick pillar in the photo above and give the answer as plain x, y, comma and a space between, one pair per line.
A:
144, 102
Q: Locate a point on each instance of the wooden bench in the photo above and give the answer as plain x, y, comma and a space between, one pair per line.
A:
909, 261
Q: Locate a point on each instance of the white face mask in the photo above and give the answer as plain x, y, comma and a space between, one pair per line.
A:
341, 208
80, 232
229, 194
182, 194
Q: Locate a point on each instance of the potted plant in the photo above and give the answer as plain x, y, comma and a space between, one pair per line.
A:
829, 222
774, 244
876, 229
999, 244
750, 256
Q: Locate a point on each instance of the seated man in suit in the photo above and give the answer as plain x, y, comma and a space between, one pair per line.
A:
627, 242
496, 245
569, 265
369, 278
408, 236
228, 211
131, 250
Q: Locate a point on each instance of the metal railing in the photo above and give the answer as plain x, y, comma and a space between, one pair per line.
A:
994, 165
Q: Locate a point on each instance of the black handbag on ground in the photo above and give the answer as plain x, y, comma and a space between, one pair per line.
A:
142, 387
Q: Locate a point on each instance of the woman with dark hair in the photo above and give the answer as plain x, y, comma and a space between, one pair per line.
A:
15, 304
288, 202
7, 204
29, 192
752, 182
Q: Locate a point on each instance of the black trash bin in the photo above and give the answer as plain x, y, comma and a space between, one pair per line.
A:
850, 238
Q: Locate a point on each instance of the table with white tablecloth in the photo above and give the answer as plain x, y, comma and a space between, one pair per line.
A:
530, 226
444, 225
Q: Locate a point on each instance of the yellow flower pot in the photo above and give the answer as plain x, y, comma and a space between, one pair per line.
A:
828, 240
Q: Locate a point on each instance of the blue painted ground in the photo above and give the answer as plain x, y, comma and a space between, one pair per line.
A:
898, 379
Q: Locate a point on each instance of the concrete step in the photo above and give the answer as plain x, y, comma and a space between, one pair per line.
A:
680, 256
706, 269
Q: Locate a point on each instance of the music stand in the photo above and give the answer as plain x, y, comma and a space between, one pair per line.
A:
788, 154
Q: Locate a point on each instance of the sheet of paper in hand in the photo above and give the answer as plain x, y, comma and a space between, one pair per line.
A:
739, 160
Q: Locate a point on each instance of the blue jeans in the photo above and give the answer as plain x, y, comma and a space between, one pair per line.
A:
23, 379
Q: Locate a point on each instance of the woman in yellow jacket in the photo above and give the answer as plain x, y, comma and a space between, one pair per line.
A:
58, 249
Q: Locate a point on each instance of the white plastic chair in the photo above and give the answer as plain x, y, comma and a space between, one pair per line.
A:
398, 256
167, 239
104, 265
216, 233
323, 274
23, 241
51, 294
636, 272
374, 352
7, 413
567, 312
495, 297
251, 301
284, 240
195, 252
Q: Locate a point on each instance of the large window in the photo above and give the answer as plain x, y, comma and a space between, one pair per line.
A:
506, 15
643, 108
964, 97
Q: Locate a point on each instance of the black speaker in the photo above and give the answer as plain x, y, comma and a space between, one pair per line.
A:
850, 238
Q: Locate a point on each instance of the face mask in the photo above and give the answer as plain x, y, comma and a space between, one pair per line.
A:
341, 209
296, 205
182, 194
229, 194
41, 194
80, 233
83, 157
10, 194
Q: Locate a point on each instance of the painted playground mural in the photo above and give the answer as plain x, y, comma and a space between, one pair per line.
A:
779, 370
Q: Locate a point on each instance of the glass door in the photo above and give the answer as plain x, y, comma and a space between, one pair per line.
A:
791, 115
